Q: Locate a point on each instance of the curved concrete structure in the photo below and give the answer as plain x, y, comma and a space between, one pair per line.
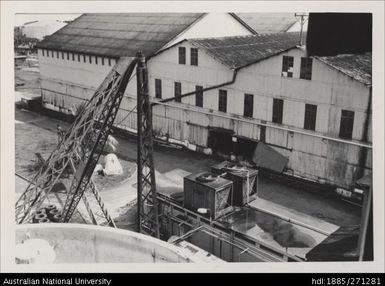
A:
80, 243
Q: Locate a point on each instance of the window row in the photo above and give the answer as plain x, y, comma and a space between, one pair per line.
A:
76, 57
310, 119
305, 69
193, 56
346, 122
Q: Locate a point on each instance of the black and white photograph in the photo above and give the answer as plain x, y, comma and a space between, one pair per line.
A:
213, 134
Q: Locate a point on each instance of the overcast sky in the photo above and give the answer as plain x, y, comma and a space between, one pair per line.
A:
20, 19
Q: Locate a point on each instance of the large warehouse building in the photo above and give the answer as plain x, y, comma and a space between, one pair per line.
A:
251, 90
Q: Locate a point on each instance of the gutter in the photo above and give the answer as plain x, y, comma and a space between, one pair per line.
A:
203, 90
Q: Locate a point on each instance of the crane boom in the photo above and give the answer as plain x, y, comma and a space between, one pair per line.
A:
80, 148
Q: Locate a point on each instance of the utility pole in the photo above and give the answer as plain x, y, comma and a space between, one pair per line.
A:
303, 18
148, 220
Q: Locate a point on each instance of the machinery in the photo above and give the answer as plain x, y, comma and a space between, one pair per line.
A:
245, 181
204, 191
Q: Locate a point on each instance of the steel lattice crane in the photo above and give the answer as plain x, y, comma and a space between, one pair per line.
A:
148, 220
79, 151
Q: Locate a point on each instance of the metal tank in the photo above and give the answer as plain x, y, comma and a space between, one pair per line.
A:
80, 243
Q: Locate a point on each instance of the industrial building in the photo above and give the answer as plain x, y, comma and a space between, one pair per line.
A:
312, 111
258, 100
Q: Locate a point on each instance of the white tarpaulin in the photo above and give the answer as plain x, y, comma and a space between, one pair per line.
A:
112, 165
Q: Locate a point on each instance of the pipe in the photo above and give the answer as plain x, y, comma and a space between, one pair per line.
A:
194, 92
364, 152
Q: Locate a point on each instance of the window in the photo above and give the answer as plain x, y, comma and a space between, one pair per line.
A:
96, 60
277, 110
222, 105
182, 55
102, 61
306, 68
78, 57
109, 61
73, 56
194, 56
199, 96
346, 125
158, 88
177, 91
84, 58
42, 51
310, 116
248, 105
287, 66
90, 59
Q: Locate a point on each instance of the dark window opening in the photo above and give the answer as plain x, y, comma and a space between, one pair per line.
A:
158, 88
90, 59
199, 96
245, 147
222, 104
194, 56
277, 110
221, 141
177, 91
42, 51
78, 57
182, 55
96, 60
306, 68
346, 125
109, 61
262, 133
68, 55
248, 105
73, 56
310, 116
287, 66
102, 61
84, 58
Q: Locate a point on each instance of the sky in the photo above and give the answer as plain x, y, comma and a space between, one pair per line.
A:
20, 19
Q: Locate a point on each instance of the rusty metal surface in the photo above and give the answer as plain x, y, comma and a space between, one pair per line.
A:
236, 52
119, 34
358, 67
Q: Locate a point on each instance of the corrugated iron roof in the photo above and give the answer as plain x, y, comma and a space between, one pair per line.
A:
266, 23
358, 67
121, 34
236, 52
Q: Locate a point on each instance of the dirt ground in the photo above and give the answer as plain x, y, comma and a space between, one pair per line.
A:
37, 133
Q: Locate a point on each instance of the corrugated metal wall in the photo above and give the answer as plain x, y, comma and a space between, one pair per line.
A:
310, 157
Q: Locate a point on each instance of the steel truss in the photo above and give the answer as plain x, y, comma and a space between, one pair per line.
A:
79, 150
148, 221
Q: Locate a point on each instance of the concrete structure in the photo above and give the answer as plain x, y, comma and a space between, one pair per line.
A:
79, 243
